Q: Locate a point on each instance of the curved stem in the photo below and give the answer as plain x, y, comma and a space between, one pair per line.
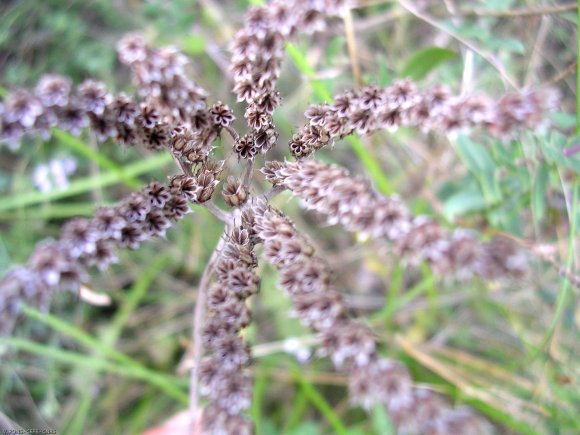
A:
223, 216
233, 133
198, 320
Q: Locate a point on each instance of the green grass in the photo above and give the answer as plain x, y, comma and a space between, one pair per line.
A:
511, 346
84, 185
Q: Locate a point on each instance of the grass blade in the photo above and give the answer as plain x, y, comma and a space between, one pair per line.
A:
169, 384
80, 147
86, 184
320, 403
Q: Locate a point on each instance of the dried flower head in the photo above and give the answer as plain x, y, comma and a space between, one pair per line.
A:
234, 192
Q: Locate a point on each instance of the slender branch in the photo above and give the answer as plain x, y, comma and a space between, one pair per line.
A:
198, 319
536, 55
185, 169
562, 75
488, 57
372, 22
271, 193
351, 43
513, 13
248, 174
516, 13
218, 212
266, 349
233, 133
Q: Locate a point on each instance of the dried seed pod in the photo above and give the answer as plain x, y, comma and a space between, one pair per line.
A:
158, 194
185, 186
221, 114
352, 202
53, 90
93, 96
351, 346
245, 147
207, 183
222, 375
256, 118
234, 192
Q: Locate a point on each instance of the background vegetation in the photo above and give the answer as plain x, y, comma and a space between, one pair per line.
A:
511, 351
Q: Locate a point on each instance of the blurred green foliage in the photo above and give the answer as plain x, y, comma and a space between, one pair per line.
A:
508, 350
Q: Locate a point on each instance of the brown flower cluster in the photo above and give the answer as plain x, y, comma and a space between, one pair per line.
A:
436, 109
352, 202
176, 105
257, 50
83, 243
351, 345
224, 376
174, 114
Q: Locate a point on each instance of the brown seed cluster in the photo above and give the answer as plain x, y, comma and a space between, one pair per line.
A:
234, 192
177, 105
173, 114
223, 374
63, 263
352, 202
257, 50
351, 345
436, 109
161, 78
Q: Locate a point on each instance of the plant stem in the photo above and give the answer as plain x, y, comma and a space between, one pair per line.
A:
485, 55
223, 216
198, 320
351, 43
248, 174
233, 133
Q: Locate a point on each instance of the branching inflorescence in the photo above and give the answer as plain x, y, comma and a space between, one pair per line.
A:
172, 113
352, 202
351, 345
402, 104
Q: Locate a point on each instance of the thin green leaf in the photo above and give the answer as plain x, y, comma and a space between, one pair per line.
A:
85, 150
134, 297
260, 388
423, 61
483, 167
86, 184
467, 200
53, 211
539, 192
564, 294
193, 44
381, 422
319, 403
169, 384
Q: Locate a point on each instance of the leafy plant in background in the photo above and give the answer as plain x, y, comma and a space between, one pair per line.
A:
172, 113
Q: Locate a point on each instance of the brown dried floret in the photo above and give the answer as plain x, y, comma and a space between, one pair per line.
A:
221, 114
234, 192
245, 147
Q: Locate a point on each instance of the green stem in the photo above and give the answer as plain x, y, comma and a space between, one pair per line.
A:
170, 385
320, 403
564, 294
81, 148
76, 187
